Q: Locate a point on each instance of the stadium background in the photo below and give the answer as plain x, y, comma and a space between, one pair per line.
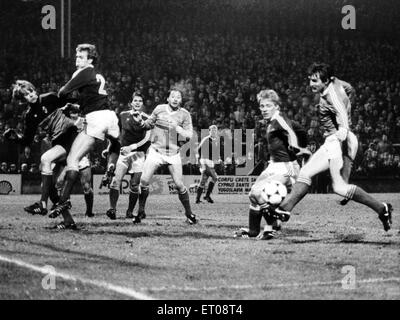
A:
225, 52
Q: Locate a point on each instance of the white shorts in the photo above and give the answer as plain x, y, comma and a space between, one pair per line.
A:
102, 123
159, 159
133, 161
332, 148
84, 163
285, 172
206, 163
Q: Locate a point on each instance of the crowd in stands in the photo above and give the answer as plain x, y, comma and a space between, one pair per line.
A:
222, 53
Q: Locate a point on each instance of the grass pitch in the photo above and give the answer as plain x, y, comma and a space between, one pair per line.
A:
324, 252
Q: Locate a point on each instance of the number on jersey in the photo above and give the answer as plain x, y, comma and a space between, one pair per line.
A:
102, 81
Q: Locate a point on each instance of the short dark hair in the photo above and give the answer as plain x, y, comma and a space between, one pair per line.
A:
90, 49
137, 94
324, 70
21, 88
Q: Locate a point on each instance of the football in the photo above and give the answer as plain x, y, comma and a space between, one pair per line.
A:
274, 192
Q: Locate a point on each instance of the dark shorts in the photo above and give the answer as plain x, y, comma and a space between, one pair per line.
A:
65, 140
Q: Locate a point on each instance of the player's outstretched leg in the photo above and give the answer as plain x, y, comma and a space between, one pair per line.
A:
299, 191
79, 149
340, 187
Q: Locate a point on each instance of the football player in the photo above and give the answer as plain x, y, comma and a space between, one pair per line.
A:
134, 142
206, 159
334, 120
99, 122
286, 140
172, 127
48, 111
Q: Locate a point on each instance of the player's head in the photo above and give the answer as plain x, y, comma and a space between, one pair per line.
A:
137, 101
86, 55
269, 102
213, 131
320, 74
24, 90
175, 98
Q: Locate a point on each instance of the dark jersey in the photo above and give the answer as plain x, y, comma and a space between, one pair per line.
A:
284, 138
210, 149
58, 124
91, 87
37, 112
132, 132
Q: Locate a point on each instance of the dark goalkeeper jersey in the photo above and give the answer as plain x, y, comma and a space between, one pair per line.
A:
284, 138
37, 112
91, 87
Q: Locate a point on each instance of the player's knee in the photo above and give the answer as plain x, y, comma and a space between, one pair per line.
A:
134, 187
180, 187
87, 188
144, 183
340, 188
115, 183
304, 177
214, 179
255, 196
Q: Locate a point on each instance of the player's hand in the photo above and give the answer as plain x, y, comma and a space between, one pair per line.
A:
71, 108
137, 117
80, 123
304, 151
126, 150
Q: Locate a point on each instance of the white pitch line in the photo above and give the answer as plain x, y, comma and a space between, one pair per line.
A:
102, 284
270, 286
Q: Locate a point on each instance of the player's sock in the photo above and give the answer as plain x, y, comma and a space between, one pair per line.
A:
184, 198
47, 181
363, 197
89, 202
199, 193
299, 190
53, 194
210, 188
114, 195
133, 197
254, 222
144, 193
70, 176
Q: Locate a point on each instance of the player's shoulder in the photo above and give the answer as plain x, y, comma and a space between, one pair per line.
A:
49, 97
185, 112
160, 108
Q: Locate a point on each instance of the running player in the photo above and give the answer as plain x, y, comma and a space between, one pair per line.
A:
206, 159
100, 121
334, 120
134, 142
172, 128
286, 139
